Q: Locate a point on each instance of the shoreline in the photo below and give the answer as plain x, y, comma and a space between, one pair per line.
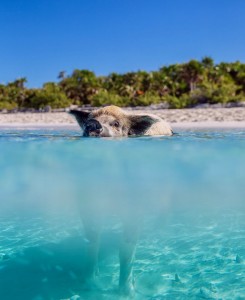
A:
178, 118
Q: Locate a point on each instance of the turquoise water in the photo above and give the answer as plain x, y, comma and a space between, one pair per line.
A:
189, 191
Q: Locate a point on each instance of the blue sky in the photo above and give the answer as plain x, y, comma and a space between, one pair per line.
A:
39, 38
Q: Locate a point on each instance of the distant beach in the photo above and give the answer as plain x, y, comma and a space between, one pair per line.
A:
194, 117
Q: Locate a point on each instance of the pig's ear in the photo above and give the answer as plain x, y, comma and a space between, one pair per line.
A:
81, 116
140, 124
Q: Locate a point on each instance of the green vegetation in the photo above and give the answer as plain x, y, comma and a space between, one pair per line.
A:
178, 85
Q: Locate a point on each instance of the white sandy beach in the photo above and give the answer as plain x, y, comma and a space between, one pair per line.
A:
186, 118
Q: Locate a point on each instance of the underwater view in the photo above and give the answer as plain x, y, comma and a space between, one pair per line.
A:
124, 218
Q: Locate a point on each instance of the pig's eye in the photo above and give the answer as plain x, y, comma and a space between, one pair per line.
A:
115, 124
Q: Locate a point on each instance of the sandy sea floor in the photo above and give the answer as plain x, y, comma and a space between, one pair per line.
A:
194, 117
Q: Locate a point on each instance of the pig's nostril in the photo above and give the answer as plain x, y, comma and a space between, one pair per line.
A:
98, 126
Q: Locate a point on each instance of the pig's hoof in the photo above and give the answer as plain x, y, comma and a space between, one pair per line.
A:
127, 290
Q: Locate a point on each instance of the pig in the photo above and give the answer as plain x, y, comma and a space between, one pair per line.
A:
112, 121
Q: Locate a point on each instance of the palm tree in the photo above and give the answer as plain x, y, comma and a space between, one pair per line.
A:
207, 62
80, 86
19, 83
61, 75
192, 73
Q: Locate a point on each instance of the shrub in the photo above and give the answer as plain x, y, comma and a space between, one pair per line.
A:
225, 93
50, 95
103, 98
6, 104
147, 98
183, 101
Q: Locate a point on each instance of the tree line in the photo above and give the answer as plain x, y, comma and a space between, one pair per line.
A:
178, 85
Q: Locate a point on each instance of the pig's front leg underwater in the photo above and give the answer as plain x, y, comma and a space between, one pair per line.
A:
92, 234
127, 256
